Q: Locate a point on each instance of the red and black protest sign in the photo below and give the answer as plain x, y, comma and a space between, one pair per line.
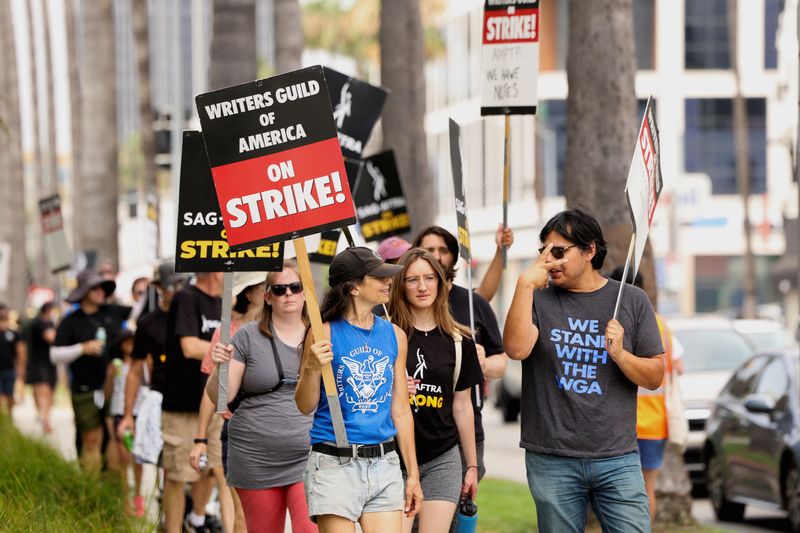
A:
201, 244
56, 248
464, 249
356, 107
378, 195
275, 158
510, 57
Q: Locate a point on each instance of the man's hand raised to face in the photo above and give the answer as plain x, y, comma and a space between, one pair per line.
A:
536, 276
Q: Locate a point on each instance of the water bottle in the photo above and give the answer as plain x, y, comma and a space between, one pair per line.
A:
467, 516
127, 440
202, 462
100, 335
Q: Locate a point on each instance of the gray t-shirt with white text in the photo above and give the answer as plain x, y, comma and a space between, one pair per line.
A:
576, 402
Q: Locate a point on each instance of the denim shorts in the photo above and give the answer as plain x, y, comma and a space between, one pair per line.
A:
349, 490
563, 487
651, 453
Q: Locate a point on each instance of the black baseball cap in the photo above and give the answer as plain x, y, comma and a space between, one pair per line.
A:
357, 262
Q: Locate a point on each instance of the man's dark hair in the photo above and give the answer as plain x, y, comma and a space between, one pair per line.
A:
47, 306
616, 274
449, 240
581, 228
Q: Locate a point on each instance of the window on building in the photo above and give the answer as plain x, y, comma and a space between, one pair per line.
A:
644, 33
551, 146
772, 12
709, 142
706, 34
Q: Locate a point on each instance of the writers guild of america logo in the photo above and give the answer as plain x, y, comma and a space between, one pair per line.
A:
344, 107
365, 380
378, 182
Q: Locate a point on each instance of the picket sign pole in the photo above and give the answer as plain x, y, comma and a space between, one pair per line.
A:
318, 332
477, 388
349, 236
225, 338
624, 275
506, 180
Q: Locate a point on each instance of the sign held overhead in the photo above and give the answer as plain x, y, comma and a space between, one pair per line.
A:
275, 158
510, 57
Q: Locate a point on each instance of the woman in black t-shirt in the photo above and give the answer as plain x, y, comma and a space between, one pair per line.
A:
443, 415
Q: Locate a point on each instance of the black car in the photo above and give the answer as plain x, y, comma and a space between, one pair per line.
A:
752, 450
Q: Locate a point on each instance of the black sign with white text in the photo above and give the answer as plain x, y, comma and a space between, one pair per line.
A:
378, 195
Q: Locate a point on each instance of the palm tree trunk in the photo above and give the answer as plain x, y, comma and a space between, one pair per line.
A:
96, 185
403, 125
12, 188
233, 46
288, 35
740, 132
147, 133
73, 40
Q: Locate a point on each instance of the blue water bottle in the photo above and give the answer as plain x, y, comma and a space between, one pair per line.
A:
467, 516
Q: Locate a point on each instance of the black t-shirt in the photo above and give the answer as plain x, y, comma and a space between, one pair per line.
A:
431, 359
8, 348
487, 334
40, 348
151, 338
192, 313
89, 371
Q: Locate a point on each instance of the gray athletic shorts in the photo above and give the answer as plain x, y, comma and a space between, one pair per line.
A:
352, 489
441, 477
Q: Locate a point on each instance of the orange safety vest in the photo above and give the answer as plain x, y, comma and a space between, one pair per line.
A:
651, 407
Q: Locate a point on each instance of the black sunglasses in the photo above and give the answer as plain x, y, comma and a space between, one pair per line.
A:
558, 252
280, 290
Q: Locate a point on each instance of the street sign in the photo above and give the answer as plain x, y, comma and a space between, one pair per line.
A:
275, 158
201, 245
510, 54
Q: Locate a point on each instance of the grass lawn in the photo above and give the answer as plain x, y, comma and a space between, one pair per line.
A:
40, 492
507, 507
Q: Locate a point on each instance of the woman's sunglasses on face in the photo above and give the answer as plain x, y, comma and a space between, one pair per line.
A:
558, 252
280, 290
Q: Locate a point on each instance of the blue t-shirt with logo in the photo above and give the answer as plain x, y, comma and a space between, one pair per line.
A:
363, 368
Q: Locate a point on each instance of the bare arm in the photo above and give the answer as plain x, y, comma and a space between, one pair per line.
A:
404, 422
519, 332
207, 409
494, 367
235, 375
491, 280
22, 360
194, 347
465, 421
647, 372
49, 335
315, 356
132, 383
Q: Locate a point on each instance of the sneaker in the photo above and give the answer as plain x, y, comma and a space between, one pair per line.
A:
189, 528
138, 505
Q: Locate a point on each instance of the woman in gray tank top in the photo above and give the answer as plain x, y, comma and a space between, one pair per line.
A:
268, 437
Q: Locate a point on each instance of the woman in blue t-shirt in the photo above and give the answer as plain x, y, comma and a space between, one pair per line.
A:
444, 366
362, 482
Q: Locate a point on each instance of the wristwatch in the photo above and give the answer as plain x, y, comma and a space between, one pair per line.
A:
201, 441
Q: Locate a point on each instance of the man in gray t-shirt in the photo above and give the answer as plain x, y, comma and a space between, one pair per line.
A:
580, 374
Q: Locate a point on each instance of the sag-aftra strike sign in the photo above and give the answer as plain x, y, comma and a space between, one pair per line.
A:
510, 57
275, 157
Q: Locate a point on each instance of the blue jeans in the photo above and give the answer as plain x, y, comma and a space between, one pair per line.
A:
563, 487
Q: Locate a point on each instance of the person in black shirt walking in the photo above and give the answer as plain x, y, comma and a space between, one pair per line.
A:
12, 359
41, 371
81, 342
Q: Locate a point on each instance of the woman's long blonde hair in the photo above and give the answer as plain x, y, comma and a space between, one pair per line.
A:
266, 312
400, 309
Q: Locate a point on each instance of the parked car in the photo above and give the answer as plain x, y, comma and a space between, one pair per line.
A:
712, 349
753, 447
763, 334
